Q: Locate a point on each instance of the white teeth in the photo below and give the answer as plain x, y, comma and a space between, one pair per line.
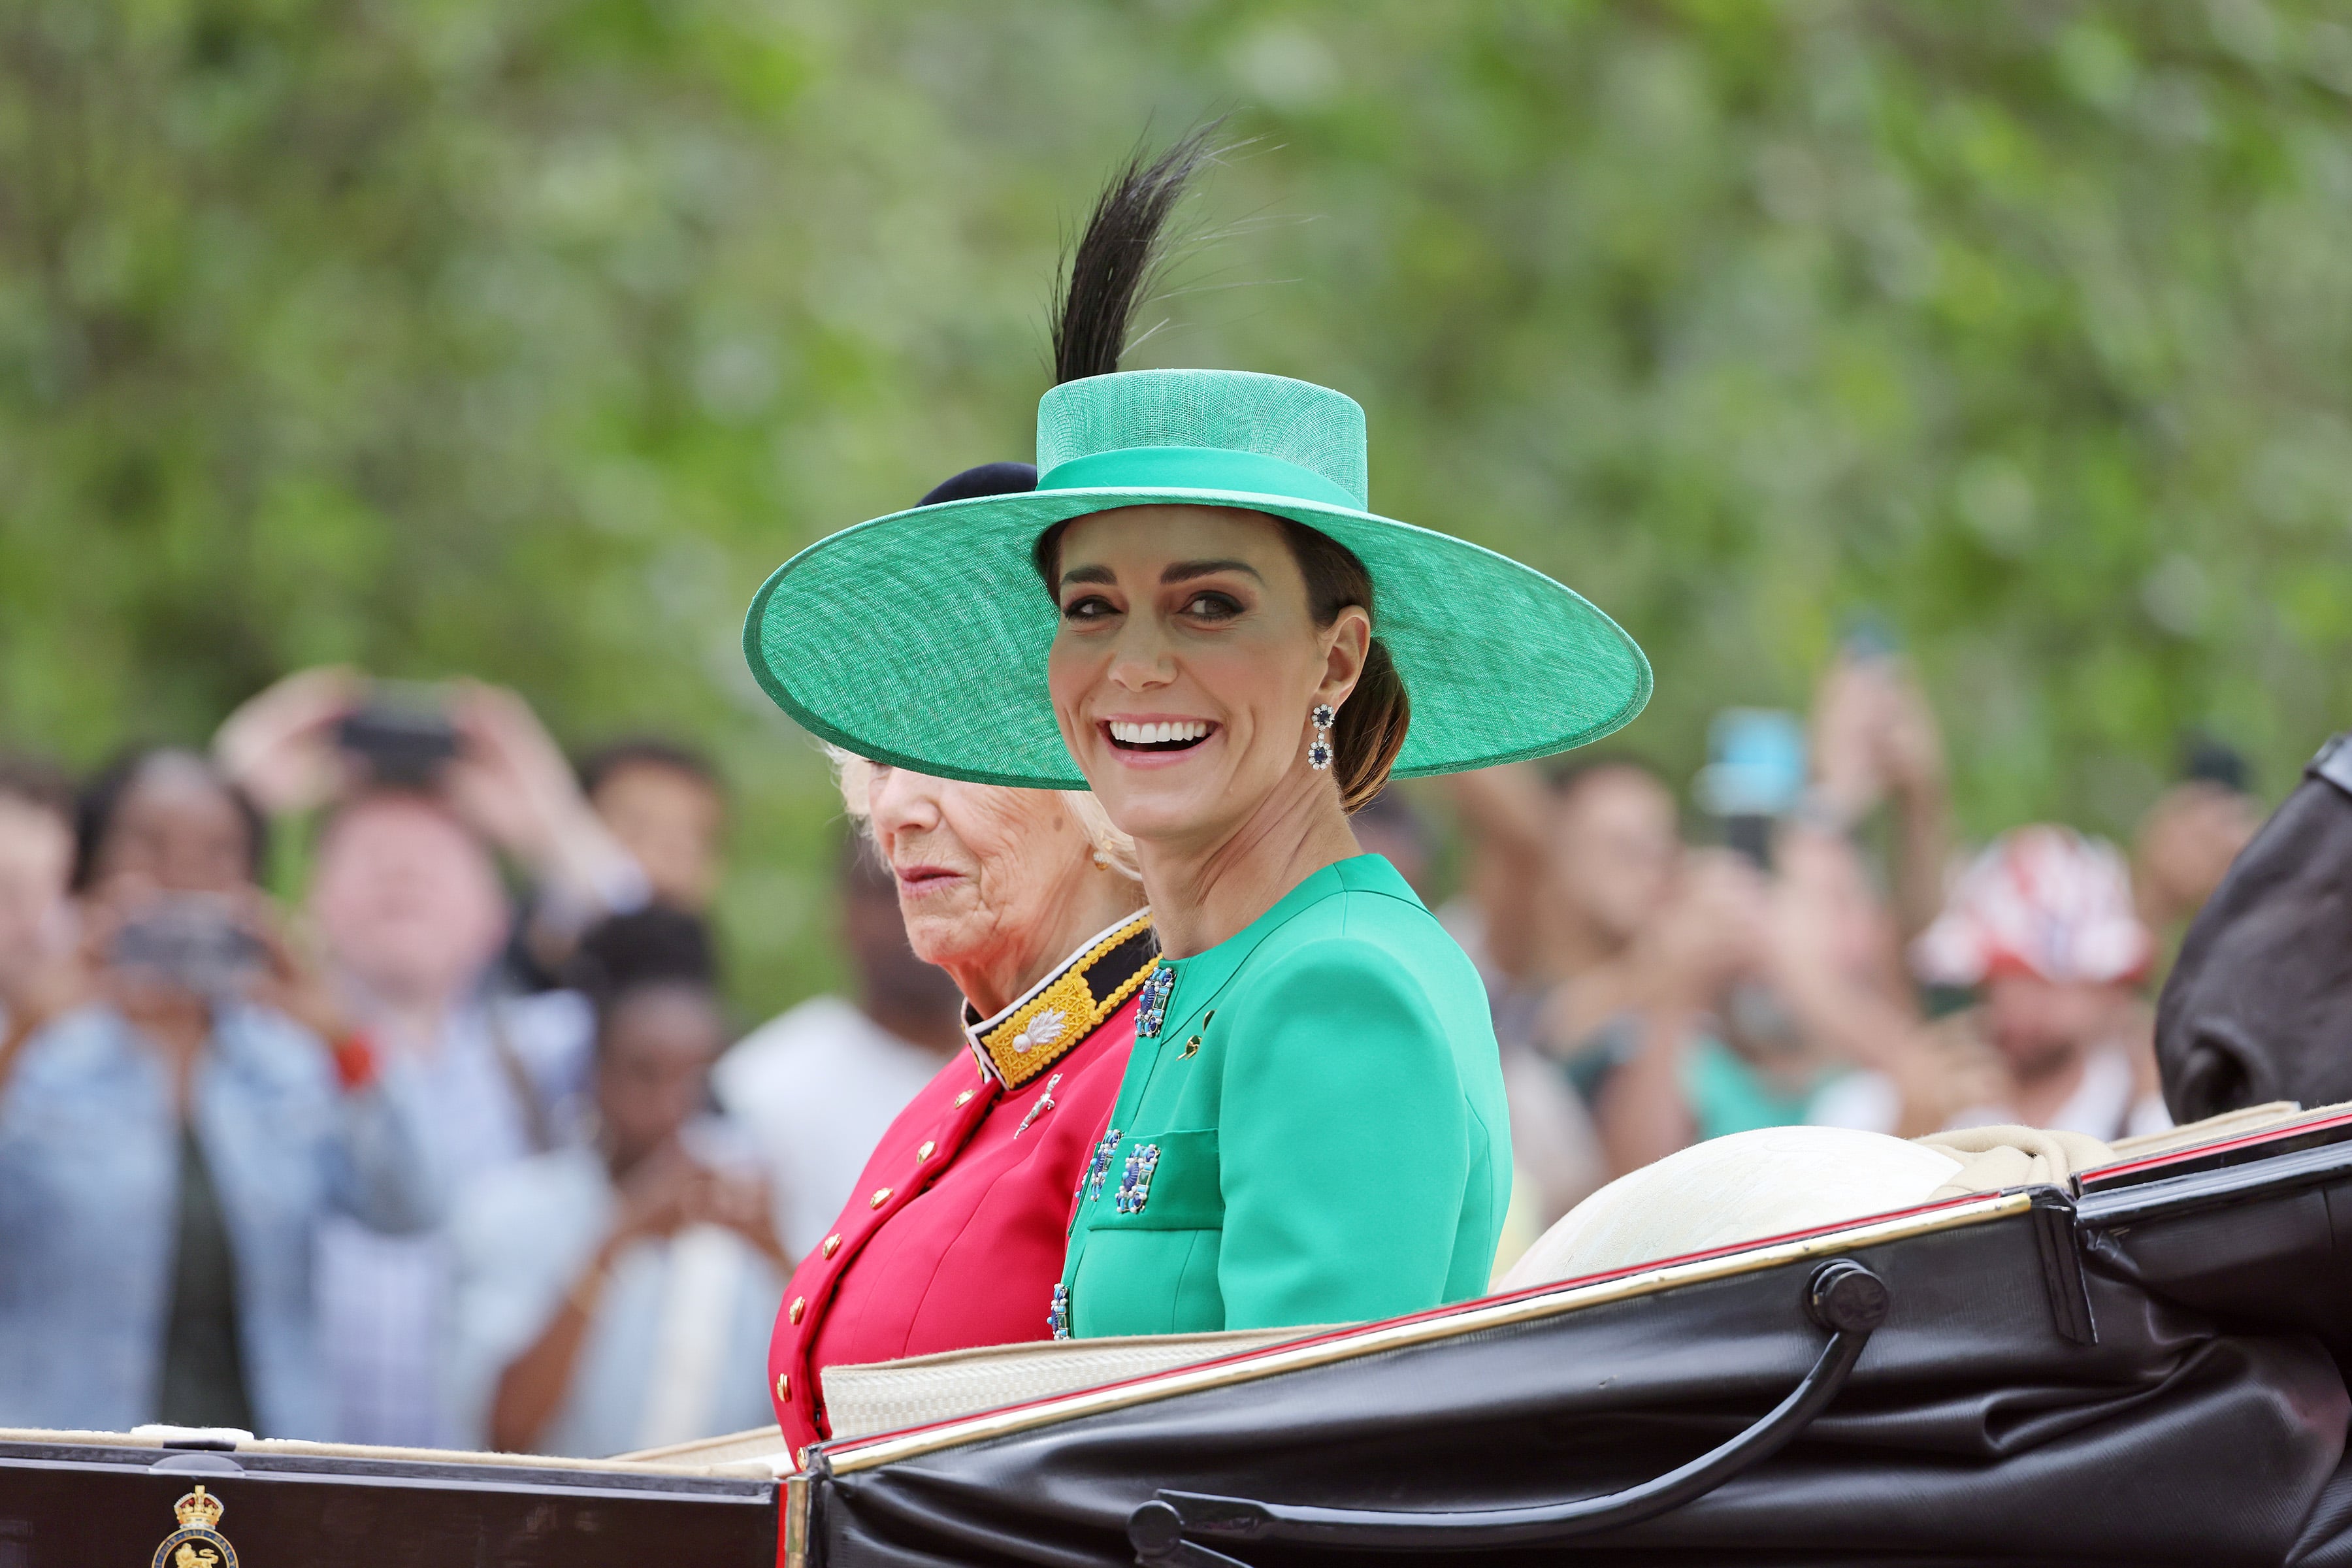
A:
1158, 734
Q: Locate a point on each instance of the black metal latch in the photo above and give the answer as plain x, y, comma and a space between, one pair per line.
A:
1842, 1296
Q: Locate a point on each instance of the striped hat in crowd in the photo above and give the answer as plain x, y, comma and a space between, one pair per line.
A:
2042, 901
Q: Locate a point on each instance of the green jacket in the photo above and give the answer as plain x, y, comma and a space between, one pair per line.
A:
1315, 1134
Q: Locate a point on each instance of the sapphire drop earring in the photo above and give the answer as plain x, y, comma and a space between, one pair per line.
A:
1318, 750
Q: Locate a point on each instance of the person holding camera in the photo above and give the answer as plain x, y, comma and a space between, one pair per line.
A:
618, 1294
416, 791
171, 1146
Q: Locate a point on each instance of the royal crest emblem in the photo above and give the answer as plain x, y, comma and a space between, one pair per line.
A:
197, 1544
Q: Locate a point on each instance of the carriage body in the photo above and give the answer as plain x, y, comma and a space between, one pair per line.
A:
2144, 1364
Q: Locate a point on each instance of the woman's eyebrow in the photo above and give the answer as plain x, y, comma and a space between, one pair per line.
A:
1088, 574
1185, 570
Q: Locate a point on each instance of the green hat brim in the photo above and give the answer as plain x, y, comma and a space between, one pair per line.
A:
920, 639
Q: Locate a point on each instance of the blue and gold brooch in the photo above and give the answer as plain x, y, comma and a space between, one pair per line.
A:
1153, 1006
1090, 1184
1135, 1180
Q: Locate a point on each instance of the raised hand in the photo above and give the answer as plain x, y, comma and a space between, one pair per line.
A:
512, 780
279, 746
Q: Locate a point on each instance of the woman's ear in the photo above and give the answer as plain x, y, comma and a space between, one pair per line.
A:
1347, 644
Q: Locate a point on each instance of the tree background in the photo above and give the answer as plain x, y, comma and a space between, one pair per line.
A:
522, 339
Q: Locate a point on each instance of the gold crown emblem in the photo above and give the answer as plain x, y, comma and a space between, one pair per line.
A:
198, 1511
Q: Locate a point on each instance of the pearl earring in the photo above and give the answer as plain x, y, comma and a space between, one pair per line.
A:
1318, 750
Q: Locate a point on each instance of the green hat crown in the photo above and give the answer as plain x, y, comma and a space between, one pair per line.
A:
1204, 429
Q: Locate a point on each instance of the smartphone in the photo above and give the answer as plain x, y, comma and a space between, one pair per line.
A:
1754, 774
403, 735
190, 941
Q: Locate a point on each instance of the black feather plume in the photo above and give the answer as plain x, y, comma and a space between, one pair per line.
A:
1119, 257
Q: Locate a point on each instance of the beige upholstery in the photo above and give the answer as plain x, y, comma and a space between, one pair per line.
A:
860, 1400
2218, 1128
1994, 1159
677, 1460
1741, 1187
761, 1445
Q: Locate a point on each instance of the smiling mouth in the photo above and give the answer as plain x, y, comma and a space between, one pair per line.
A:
1162, 738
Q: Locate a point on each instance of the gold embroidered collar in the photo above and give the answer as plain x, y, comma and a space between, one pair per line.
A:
1053, 1016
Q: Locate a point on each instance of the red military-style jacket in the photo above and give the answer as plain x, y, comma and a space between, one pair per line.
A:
955, 1236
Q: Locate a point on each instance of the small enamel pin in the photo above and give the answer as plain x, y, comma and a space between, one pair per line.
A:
1193, 1046
1045, 1103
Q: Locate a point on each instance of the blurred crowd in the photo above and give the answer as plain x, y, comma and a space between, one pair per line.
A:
1807, 945
459, 1146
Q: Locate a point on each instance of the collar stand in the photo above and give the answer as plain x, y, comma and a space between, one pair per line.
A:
1068, 1004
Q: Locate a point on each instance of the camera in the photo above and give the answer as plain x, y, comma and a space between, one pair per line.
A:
190, 940
402, 736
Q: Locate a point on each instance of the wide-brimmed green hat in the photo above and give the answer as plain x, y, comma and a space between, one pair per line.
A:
920, 639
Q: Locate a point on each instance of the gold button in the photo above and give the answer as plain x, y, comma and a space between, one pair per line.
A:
832, 1245
881, 1195
964, 1099
800, 1305
926, 1151
783, 1385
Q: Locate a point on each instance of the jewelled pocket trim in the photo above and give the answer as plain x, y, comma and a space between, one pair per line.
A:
1097, 1171
1167, 1181
1153, 1007
1135, 1181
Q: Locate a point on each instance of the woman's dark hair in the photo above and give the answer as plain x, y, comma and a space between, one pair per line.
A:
626, 953
651, 751
1374, 717
101, 798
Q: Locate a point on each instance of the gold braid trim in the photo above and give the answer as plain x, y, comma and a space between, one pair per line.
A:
1063, 1012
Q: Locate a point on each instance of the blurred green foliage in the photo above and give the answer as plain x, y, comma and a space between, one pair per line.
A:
521, 339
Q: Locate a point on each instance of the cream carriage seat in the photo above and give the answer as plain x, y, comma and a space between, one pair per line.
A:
1740, 1187
1749, 1185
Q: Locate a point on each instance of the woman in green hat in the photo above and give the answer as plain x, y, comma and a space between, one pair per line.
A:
1234, 653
